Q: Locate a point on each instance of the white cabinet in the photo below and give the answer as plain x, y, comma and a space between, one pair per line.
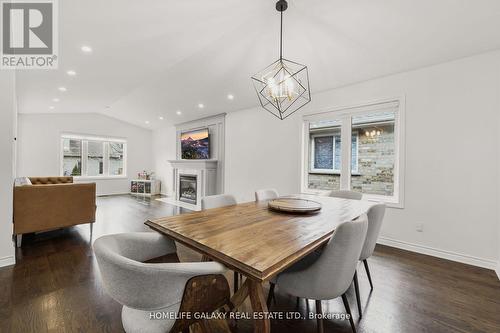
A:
145, 187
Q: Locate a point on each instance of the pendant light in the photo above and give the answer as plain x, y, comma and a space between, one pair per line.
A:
283, 86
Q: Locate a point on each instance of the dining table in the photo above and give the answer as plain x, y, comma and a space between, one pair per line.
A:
259, 242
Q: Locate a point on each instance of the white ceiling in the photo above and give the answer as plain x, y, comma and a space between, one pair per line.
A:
152, 58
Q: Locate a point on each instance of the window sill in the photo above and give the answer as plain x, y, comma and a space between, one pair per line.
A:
99, 177
388, 201
332, 173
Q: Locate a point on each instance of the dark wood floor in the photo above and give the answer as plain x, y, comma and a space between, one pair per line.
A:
55, 286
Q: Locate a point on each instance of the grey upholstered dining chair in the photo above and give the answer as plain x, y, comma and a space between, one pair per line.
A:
216, 201
375, 217
344, 194
145, 288
327, 274
266, 194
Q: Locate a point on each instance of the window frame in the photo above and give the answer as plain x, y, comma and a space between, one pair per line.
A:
312, 150
344, 115
312, 169
84, 156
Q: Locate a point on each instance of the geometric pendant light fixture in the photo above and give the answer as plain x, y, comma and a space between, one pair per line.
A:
283, 86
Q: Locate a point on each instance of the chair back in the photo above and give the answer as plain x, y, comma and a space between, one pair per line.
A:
344, 194
129, 281
266, 194
332, 273
216, 201
375, 218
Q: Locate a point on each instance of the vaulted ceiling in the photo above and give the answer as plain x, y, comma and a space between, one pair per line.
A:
153, 58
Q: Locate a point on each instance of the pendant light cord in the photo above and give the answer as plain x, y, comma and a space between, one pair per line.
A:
281, 36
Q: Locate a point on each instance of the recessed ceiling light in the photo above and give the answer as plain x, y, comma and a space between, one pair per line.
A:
201, 106
230, 97
62, 89
86, 49
160, 117
178, 112
147, 122
71, 72
55, 100
51, 107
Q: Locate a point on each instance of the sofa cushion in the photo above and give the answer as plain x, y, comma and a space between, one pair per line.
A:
22, 181
51, 180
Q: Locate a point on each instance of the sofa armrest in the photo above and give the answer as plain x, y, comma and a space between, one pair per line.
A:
46, 207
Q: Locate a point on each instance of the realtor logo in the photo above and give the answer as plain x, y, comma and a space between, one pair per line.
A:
29, 34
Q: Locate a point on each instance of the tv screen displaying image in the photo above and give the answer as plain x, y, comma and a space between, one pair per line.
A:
195, 145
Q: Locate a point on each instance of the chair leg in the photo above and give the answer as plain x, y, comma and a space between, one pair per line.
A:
356, 289
235, 279
319, 314
270, 295
365, 262
19, 240
348, 309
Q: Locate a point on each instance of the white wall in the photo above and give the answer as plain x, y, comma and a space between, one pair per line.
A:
164, 148
39, 145
452, 171
7, 132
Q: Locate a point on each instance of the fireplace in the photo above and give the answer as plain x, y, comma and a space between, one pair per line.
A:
187, 189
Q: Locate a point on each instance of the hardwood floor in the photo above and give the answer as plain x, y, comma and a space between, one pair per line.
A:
55, 286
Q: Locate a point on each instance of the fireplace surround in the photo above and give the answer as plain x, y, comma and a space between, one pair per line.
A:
192, 180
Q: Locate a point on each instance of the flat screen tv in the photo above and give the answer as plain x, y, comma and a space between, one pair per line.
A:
195, 145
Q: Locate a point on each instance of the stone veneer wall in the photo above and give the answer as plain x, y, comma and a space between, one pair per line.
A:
375, 166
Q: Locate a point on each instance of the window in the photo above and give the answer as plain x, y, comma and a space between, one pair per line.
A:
95, 158
377, 153
84, 156
72, 157
325, 153
115, 158
368, 162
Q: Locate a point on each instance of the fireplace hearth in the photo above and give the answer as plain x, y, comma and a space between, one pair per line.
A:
187, 189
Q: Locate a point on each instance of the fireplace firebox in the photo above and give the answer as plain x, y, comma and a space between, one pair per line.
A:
187, 189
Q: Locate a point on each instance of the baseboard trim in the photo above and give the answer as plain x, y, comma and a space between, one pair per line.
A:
110, 194
449, 255
7, 261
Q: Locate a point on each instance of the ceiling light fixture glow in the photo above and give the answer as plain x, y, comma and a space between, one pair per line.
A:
55, 100
147, 122
71, 72
51, 107
63, 89
230, 97
178, 112
160, 117
283, 86
201, 106
86, 49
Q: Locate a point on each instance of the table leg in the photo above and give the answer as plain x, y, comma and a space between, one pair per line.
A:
256, 292
259, 305
240, 296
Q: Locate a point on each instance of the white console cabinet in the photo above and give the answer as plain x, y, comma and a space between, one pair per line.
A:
144, 187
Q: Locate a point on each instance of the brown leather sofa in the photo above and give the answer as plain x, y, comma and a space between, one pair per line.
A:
52, 203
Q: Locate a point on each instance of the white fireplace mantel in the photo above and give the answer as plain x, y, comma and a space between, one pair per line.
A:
206, 178
194, 164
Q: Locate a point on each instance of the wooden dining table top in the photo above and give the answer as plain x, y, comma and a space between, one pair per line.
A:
254, 240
